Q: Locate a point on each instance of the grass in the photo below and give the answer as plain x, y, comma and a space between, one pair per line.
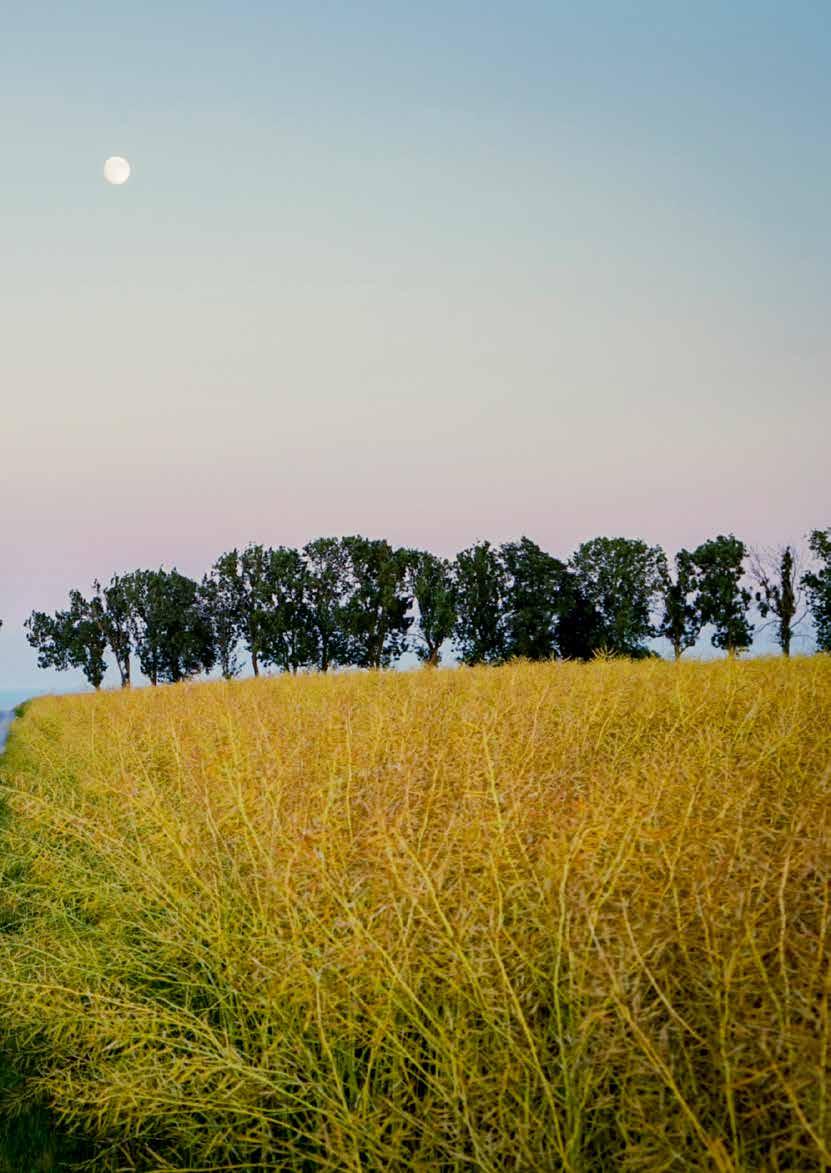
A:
538, 917
30, 1139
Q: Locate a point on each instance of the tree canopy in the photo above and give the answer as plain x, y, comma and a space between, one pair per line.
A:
362, 602
681, 618
622, 579
722, 600
818, 585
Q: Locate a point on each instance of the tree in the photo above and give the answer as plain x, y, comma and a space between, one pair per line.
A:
722, 600
776, 574
681, 620
375, 612
242, 590
327, 563
69, 639
171, 629
254, 601
579, 632
621, 578
289, 641
430, 581
480, 582
110, 608
219, 603
818, 585
533, 599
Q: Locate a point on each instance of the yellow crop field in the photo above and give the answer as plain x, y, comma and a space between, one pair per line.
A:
537, 917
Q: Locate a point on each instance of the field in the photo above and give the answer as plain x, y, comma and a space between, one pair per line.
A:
538, 917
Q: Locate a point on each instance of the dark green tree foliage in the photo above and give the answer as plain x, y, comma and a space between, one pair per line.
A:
289, 641
621, 578
49, 636
253, 592
171, 629
219, 604
110, 607
347, 601
777, 580
242, 591
481, 583
579, 632
722, 600
817, 582
681, 620
327, 583
375, 613
430, 581
533, 599
70, 639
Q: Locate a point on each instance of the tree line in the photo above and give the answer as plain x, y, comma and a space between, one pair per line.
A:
361, 602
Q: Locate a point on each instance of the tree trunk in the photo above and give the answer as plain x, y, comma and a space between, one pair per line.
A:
255, 664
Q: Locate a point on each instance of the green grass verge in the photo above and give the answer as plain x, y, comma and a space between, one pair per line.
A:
31, 1140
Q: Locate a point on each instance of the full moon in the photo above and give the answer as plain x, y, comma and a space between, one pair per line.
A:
116, 170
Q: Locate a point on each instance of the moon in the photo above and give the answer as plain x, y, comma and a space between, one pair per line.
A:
116, 170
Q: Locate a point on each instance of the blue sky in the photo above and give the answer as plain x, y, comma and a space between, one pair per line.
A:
435, 272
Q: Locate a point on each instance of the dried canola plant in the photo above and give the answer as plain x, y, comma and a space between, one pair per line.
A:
537, 917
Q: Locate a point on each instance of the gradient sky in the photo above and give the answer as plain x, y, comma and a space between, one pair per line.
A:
431, 272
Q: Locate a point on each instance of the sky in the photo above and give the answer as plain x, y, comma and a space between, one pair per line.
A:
431, 272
